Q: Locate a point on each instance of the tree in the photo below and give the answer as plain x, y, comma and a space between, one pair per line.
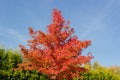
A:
57, 53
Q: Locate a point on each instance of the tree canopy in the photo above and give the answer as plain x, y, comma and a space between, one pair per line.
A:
57, 53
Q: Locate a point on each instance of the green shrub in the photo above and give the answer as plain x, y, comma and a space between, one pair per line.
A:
98, 72
22, 75
9, 60
98, 76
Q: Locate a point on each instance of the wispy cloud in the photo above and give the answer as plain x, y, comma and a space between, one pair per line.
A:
13, 34
96, 23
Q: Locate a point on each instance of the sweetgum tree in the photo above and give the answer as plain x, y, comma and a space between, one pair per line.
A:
57, 53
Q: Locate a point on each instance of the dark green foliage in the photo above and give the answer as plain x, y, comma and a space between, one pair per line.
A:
22, 75
8, 61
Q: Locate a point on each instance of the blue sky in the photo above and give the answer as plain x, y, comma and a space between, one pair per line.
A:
95, 20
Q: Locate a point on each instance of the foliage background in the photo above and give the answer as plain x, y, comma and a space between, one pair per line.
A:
10, 58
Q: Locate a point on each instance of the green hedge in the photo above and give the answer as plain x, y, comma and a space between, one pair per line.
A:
22, 75
9, 60
97, 76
